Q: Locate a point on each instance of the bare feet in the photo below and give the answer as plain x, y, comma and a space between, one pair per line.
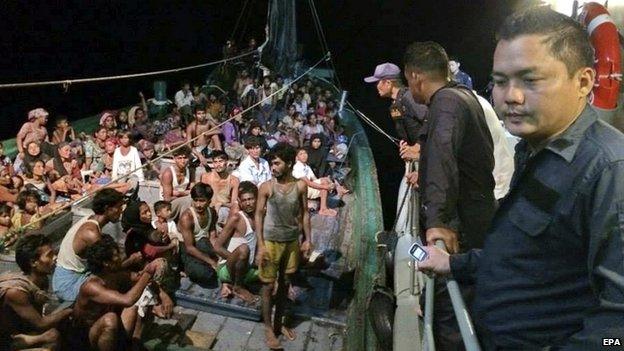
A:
244, 294
289, 333
328, 212
271, 340
226, 290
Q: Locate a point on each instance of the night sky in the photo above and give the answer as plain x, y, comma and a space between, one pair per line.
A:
44, 41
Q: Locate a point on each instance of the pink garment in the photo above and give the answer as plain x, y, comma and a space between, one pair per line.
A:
36, 113
30, 132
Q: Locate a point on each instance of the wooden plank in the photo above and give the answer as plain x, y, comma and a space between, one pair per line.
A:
208, 322
323, 338
256, 339
302, 329
234, 334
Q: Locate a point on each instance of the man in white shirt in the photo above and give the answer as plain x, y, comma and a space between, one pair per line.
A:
253, 168
503, 153
317, 188
184, 100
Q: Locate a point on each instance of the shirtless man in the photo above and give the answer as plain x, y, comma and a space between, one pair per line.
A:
237, 259
208, 138
71, 271
23, 294
197, 226
175, 183
224, 187
280, 215
96, 317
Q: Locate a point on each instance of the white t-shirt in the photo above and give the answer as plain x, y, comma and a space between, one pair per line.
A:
301, 170
182, 99
123, 165
172, 229
503, 154
248, 171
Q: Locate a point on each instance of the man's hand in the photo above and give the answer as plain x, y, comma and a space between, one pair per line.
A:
412, 179
166, 303
306, 248
447, 235
409, 153
437, 262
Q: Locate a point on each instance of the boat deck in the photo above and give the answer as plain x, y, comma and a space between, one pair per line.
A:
204, 319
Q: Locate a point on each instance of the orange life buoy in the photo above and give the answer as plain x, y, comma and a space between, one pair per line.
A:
605, 40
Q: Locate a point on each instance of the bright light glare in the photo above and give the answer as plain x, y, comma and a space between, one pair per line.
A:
565, 6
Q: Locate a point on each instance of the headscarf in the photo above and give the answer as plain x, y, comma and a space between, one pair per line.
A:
105, 115
36, 113
131, 219
317, 157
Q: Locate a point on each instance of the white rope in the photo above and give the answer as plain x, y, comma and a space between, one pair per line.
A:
67, 82
151, 163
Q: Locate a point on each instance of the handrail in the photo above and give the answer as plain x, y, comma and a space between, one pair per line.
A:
67, 82
151, 163
466, 327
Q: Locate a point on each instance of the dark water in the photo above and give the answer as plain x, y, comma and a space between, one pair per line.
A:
43, 41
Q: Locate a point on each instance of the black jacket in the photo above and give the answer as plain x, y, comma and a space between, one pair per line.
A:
457, 158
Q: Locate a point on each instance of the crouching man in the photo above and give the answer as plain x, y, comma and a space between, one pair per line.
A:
104, 318
237, 260
22, 296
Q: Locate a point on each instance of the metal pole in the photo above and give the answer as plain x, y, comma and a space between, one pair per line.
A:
461, 313
343, 99
429, 342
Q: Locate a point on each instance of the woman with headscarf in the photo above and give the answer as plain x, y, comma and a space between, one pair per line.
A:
317, 154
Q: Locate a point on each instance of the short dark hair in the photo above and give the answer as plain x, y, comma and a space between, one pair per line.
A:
199, 107
104, 199
247, 187
428, 57
27, 250
159, 205
5, 209
24, 195
201, 191
182, 151
99, 253
250, 142
565, 37
284, 152
219, 154
60, 118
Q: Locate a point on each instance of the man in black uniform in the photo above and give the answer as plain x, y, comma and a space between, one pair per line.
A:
408, 116
455, 175
551, 272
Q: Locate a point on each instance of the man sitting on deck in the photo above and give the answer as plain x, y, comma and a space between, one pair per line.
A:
240, 253
96, 320
224, 186
71, 271
317, 188
201, 127
253, 168
281, 213
22, 296
175, 183
197, 226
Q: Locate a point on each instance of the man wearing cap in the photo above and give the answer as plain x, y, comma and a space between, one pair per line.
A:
408, 116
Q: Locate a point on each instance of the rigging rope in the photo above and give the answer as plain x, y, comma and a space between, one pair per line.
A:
323, 40
67, 82
151, 163
238, 20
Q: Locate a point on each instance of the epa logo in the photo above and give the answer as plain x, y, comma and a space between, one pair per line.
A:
611, 342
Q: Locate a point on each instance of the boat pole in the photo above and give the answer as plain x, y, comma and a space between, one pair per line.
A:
466, 327
343, 100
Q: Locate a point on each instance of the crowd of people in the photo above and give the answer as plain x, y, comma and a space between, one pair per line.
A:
236, 193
